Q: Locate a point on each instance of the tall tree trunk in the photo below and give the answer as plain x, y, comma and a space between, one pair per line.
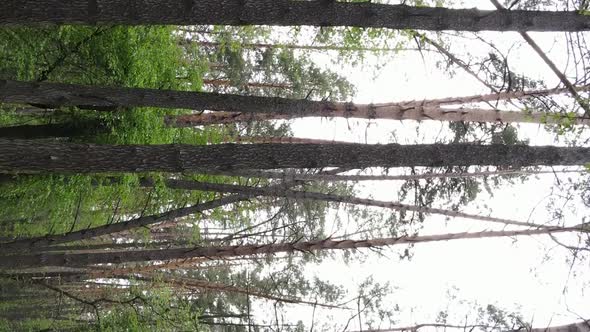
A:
110, 98
575, 327
49, 240
292, 176
283, 13
219, 82
189, 41
219, 287
279, 140
21, 156
384, 112
51, 130
316, 196
118, 257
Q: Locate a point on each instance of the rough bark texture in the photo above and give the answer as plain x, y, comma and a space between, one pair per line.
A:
284, 13
22, 156
117, 257
392, 112
107, 98
237, 108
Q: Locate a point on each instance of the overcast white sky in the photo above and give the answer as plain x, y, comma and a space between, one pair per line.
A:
496, 271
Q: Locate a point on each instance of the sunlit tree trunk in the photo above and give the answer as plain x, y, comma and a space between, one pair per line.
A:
418, 113
247, 108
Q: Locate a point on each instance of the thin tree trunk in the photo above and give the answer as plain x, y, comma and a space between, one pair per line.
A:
279, 140
291, 176
81, 260
315, 196
454, 59
21, 156
570, 87
299, 47
109, 98
219, 287
384, 112
44, 241
490, 97
575, 327
218, 82
284, 13
49, 240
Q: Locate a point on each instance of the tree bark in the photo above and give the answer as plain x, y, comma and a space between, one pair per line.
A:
21, 156
283, 13
243, 108
51, 130
118, 257
370, 112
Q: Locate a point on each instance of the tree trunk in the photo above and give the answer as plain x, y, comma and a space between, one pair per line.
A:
393, 112
242, 108
316, 196
219, 82
219, 287
283, 13
49, 240
292, 176
279, 140
189, 41
51, 130
119, 257
21, 156
575, 327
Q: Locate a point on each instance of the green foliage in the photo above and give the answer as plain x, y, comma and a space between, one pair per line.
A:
160, 310
120, 56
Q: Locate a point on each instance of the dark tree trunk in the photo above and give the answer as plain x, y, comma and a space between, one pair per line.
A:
51, 130
283, 13
109, 98
22, 156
